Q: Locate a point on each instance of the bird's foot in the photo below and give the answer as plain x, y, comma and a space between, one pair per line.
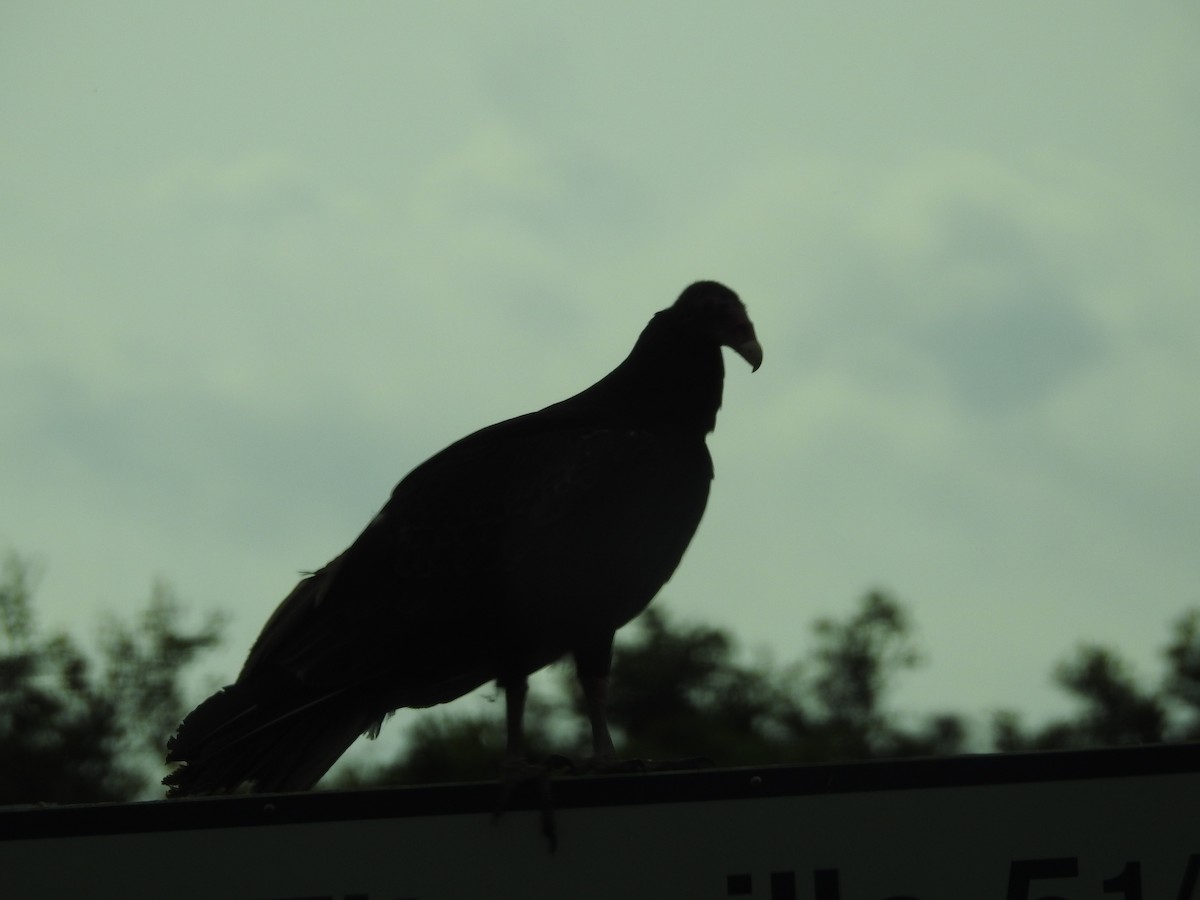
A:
514, 774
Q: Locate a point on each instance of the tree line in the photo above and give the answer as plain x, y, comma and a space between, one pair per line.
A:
82, 724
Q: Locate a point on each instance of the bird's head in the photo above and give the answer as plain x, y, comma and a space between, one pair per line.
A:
718, 312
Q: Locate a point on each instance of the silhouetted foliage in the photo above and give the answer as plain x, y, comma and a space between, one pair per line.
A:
74, 730
858, 660
1182, 684
82, 727
1113, 707
678, 691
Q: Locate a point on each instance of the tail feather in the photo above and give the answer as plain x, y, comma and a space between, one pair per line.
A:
247, 735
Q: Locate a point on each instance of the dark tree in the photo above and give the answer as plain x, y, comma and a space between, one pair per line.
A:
74, 729
858, 660
679, 691
1182, 685
87, 724
1113, 707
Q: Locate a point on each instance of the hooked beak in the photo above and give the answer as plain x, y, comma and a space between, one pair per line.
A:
750, 351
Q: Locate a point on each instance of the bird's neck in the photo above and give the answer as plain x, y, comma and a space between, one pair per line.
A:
671, 380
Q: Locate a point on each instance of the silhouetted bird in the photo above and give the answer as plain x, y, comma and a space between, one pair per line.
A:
523, 542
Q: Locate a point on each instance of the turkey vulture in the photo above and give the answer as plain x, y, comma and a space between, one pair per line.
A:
526, 541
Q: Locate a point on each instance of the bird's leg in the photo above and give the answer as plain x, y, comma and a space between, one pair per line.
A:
604, 754
516, 769
592, 665
595, 700
515, 692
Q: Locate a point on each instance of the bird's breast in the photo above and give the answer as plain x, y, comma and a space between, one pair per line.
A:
589, 545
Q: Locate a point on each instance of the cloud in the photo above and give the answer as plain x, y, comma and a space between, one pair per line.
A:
1011, 327
253, 277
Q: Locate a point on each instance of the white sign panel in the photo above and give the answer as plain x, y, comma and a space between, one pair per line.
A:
1077, 826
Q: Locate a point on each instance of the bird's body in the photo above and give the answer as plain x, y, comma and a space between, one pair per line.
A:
524, 542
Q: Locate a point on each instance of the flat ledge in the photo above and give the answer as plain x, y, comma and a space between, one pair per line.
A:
248, 810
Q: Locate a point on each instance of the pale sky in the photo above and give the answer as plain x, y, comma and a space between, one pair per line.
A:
261, 259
